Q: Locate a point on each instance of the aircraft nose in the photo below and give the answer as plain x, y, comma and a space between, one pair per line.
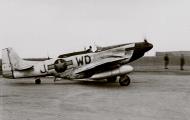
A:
143, 46
140, 49
149, 46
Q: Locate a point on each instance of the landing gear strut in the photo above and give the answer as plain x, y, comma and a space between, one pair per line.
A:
111, 79
54, 80
38, 81
124, 80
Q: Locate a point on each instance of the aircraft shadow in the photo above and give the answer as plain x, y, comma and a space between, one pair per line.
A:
97, 84
100, 84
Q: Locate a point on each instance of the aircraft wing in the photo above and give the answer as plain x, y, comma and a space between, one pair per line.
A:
98, 63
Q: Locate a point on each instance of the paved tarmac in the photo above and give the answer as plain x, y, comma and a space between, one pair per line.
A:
151, 96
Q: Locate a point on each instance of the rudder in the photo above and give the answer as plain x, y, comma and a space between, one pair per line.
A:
9, 60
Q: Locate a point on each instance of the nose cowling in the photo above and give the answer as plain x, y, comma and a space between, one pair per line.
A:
147, 46
140, 49
143, 46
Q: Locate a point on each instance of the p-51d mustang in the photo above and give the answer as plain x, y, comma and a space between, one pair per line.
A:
105, 63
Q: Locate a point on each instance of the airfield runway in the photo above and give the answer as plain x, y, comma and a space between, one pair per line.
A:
151, 96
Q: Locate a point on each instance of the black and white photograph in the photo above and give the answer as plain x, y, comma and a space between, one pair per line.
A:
94, 59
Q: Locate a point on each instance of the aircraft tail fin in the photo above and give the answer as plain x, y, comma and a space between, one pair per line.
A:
11, 62
8, 60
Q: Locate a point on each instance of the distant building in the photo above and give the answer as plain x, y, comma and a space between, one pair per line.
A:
173, 53
0, 66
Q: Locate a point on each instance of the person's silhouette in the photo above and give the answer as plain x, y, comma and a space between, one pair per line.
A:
166, 61
182, 62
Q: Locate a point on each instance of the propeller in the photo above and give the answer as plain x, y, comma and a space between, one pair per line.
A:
145, 40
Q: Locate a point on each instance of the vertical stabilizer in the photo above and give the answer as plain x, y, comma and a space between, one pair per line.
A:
9, 61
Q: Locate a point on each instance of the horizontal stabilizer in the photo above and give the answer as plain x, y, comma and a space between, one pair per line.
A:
23, 68
23, 65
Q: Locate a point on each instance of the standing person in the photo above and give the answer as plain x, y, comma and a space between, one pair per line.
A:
182, 62
166, 61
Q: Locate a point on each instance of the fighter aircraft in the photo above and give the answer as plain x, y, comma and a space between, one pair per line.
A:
105, 63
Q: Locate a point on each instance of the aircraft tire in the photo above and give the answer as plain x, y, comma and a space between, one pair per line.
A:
37, 81
124, 80
112, 79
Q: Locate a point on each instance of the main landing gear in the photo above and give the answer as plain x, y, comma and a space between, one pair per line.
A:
112, 79
38, 81
124, 80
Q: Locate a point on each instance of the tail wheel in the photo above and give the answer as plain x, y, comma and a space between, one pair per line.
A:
37, 81
124, 80
112, 79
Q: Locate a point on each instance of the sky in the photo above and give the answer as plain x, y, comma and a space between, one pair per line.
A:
42, 28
